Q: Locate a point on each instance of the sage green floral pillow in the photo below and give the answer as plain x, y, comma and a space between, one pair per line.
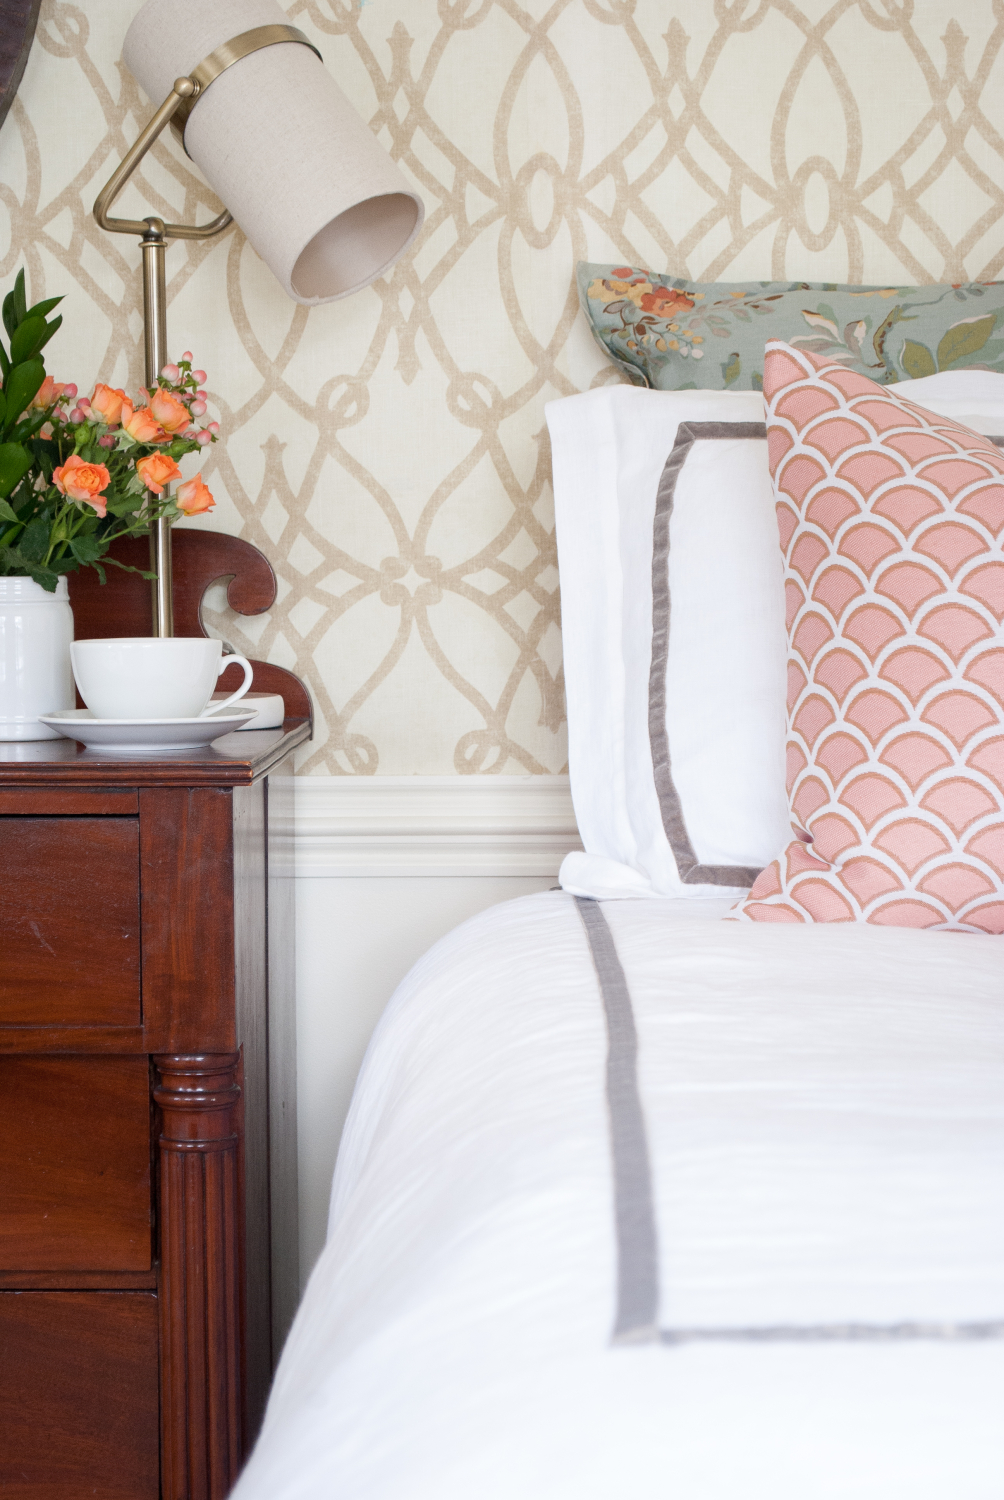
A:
676, 335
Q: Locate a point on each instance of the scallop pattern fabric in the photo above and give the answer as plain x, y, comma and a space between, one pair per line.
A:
890, 521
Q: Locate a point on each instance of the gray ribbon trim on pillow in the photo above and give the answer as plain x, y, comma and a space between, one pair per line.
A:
637, 1318
691, 871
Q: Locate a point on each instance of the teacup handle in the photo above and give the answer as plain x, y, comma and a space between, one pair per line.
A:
229, 661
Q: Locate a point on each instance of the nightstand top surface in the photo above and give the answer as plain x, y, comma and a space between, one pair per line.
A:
233, 760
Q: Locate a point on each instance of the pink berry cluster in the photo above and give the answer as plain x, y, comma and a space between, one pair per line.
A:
187, 385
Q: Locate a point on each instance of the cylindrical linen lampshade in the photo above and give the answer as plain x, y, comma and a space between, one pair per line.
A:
302, 174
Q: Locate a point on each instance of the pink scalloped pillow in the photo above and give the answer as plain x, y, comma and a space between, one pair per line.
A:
890, 521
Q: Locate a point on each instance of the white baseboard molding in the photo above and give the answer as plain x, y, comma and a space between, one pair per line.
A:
433, 825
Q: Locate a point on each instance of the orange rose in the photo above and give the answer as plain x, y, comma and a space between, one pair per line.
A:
172, 414
156, 470
142, 425
107, 403
83, 482
194, 497
47, 394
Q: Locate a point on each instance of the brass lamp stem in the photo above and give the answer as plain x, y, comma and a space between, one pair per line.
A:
155, 234
154, 248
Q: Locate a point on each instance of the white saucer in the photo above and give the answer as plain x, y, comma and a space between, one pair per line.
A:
144, 736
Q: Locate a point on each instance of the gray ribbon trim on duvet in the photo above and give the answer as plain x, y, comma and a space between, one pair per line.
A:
638, 1292
691, 871
634, 1213
830, 1333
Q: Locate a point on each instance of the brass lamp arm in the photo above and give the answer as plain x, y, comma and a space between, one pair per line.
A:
185, 93
184, 88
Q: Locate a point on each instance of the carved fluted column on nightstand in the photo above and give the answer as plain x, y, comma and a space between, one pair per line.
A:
201, 1250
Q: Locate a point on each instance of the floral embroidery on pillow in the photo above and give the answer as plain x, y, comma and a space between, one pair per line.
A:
890, 521
659, 328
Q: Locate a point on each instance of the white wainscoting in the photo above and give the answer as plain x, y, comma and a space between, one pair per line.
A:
384, 867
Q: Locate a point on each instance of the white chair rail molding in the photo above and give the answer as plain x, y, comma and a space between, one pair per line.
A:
385, 866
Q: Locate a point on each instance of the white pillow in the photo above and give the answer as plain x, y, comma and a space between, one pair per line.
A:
677, 755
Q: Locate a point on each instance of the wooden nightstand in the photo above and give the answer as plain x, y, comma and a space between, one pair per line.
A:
148, 1255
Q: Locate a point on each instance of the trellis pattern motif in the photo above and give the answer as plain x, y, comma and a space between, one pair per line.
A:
389, 453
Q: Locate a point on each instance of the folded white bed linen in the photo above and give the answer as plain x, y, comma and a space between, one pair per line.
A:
821, 1311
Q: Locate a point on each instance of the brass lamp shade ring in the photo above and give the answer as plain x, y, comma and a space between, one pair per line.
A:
224, 57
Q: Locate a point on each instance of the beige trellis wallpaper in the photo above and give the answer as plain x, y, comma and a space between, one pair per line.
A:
389, 452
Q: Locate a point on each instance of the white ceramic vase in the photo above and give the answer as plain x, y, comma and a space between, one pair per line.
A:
36, 629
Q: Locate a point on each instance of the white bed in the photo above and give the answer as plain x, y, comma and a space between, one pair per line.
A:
799, 1295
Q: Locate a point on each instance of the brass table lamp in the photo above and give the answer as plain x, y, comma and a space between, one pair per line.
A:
318, 198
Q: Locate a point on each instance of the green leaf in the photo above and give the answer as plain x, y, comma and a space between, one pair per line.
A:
21, 387
3, 407
126, 505
111, 562
15, 462
20, 300
87, 549
45, 576
43, 309
34, 540
917, 360
731, 370
14, 564
8, 314
46, 455
967, 337
50, 329
27, 340
4, 362
23, 432
7, 512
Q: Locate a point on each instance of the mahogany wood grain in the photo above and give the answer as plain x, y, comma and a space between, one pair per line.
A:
69, 914
75, 1190
50, 802
90, 1039
283, 1184
251, 996
78, 1396
78, 1281
234, 760
122, 606
201, 1270
186, 844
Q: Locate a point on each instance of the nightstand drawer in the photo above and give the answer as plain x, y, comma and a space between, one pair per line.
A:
75, 1189
69, 914
78, 1396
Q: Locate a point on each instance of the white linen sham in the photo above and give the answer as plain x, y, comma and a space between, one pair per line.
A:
676, 756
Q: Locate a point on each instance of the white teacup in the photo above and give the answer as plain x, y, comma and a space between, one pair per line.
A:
151, 677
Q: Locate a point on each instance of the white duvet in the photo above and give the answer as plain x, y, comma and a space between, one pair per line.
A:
823, 1114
